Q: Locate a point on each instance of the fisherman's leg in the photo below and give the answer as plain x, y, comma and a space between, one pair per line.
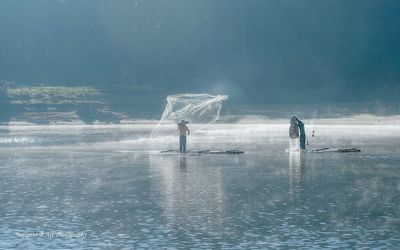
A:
302, 141
184, 143
180, 144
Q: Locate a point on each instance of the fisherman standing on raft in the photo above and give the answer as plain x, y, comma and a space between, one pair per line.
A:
183, 131
295, 125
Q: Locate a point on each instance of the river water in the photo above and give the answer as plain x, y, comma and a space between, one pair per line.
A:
108, 186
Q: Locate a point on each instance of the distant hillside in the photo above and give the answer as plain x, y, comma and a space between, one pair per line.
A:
259, 52
51, 104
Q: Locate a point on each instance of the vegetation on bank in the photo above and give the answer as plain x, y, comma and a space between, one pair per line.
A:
47, 104
51, 94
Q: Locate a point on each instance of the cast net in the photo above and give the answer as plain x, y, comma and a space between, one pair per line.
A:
195, 108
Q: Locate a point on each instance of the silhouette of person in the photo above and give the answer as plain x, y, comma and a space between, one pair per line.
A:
183, 131
297, 130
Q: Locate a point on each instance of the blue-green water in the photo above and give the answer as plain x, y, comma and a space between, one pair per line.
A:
108, 186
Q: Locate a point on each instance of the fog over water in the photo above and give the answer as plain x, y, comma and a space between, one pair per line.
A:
91, 92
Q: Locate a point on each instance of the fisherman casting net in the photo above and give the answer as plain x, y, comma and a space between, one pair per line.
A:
195, 108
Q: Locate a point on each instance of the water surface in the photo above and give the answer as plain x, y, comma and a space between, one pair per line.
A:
111, 184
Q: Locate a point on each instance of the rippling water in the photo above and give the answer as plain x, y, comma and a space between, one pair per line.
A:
111, 184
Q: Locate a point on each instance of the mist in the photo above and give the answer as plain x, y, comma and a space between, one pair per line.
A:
200, 124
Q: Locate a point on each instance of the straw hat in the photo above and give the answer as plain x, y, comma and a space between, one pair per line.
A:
183, 122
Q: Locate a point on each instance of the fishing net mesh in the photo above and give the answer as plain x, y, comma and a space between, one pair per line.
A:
195, 108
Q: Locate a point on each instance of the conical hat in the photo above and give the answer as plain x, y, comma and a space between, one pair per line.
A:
183, 122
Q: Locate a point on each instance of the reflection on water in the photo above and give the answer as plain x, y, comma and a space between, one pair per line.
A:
182, 162
189, 194
294, 144
297, 161
123, 193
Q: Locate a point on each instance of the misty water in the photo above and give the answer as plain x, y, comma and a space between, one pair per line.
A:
112, 185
